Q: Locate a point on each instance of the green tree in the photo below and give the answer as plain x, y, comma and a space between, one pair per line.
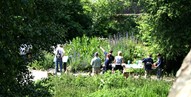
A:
108, 17
41, 23
168, 26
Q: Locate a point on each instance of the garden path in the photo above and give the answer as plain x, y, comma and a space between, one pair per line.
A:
40, 74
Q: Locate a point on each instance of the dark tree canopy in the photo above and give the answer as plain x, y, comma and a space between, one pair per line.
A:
166, 27
163, 26
41, 23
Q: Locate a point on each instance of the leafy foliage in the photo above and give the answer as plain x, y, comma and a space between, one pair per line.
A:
40, 23
165, 29
108, 19
108, 85
82, 50
43, 63
166, 24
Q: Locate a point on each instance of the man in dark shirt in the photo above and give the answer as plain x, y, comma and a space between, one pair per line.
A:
159, 66
148, 65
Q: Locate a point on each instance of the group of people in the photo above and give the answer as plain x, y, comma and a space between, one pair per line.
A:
58, 58
149, 64
118, 60
109, 59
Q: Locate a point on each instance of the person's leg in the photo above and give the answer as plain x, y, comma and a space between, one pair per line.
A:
104, 69
121, 69
110, 67
61, 66
64, 66
149, 74
146, 72
159, 72
149, 69
116, 67
96, 70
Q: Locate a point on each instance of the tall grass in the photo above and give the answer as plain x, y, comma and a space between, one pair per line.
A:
83, 49
108, 85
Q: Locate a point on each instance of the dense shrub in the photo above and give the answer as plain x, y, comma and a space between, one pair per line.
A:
108, 85
45, 62
82, 50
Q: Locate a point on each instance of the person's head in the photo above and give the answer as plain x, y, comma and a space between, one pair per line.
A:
119, 53
150, 55
158, 55
111, 51
96, 54
58, 45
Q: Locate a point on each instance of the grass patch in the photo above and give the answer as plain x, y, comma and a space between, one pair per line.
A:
108, 85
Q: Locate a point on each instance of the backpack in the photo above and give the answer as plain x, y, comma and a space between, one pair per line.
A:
148, 61
58, 55
111, 58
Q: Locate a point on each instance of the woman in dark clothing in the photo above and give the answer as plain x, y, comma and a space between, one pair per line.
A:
107, 63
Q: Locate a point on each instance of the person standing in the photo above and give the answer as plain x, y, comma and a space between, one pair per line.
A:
148, 65
109, 58
96, 64
59, 53
107, 63
118, 62
159, 66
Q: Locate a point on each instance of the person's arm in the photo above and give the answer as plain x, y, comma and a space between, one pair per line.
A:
102, 49
158, 62
105, 53
91, 62
122, 60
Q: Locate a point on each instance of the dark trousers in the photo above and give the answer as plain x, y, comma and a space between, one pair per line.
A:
118, 67
58, 62
159, 72
106, 68
64, 65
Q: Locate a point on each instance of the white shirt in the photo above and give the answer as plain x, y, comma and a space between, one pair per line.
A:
61, 50
118, 60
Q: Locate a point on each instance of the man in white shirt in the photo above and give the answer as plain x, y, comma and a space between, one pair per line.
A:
59, 53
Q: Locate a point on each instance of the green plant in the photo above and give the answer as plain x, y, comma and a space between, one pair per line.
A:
82, 51
131, 49
45, 63
108, 85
